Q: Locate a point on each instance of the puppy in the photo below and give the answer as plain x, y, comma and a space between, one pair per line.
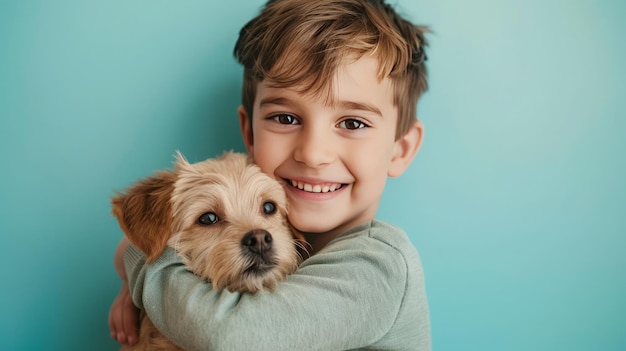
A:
225, 218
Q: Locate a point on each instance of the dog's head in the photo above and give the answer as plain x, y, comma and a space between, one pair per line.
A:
225, 218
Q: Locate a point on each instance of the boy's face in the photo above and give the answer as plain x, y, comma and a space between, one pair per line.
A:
333, 160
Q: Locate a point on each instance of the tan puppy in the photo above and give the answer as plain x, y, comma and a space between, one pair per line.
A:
225, 218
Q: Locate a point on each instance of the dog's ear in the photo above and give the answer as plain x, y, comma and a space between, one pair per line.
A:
144, 213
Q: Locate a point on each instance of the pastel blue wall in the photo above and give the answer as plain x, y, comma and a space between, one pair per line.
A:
516, 200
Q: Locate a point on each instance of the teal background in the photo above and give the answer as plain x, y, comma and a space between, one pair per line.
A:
516, 200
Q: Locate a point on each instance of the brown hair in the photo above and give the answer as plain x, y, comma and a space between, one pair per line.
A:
300, 43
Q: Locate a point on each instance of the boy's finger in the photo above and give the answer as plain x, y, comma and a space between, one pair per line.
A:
112, 328
130, 320
114, 320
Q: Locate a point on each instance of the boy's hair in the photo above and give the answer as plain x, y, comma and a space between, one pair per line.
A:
301, 43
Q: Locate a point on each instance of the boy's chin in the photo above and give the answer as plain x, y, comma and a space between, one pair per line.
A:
305, 225
326, 227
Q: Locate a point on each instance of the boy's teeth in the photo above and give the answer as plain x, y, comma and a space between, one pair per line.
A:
315, 188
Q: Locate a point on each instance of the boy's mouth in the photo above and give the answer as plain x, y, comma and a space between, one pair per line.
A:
317, 188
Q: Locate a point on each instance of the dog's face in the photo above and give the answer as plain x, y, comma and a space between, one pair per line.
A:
225, 218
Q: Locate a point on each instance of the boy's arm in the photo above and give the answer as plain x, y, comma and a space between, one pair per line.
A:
341, 299
123, 315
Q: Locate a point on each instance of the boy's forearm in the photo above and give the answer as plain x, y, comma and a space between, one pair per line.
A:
294, 316
118, 258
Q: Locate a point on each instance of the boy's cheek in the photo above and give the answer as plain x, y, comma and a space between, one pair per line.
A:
263, 163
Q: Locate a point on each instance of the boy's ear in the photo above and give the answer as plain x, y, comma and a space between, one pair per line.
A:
144, 213
246, 129
405, 149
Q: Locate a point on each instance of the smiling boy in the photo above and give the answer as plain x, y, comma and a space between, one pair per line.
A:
329, 100
333, 156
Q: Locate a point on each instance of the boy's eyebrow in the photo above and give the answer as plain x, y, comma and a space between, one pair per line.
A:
352, 105
346, 105
275, 101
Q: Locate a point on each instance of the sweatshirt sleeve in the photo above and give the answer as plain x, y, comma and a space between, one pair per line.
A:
345, 297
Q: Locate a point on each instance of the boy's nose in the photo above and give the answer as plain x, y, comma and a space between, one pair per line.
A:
315, 148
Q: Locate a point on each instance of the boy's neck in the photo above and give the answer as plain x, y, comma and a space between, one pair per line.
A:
317, 241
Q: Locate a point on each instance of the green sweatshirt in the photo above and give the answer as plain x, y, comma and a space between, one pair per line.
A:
364, 290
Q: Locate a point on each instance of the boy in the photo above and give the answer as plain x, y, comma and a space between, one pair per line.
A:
329, 98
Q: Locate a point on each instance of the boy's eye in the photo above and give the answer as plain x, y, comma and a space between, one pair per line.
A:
284, 118
352, 124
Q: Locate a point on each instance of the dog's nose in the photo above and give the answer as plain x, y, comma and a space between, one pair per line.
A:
258, 241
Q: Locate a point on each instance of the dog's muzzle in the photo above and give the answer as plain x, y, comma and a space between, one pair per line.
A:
257, 244
258, 241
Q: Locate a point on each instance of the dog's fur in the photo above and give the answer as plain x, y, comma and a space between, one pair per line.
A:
248, 248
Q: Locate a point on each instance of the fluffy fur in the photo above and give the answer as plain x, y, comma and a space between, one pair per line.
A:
225, 218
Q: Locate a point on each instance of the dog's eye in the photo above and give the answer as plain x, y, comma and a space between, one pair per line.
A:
269, 207
208, 218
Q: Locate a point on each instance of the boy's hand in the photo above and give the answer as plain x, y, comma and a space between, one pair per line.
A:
124, 318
